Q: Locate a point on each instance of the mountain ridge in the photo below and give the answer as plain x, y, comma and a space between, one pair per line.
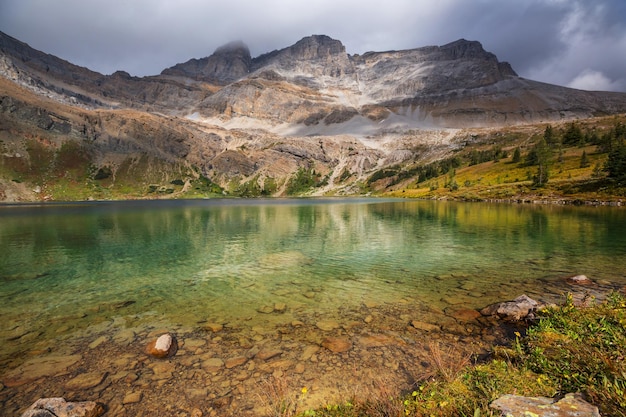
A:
239, 121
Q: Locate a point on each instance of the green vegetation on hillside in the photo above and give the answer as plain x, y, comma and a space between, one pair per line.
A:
577, 162
67, 172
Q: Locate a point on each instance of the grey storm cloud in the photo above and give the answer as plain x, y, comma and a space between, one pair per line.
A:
575, 43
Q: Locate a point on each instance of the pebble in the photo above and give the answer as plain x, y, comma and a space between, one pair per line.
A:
163, 347
212, 364
237, 361
267, 354
337, 344
214, 327
308, 352
132, 398
266, 309
465, 314
327, 325
420, 325
98, 342
85, 381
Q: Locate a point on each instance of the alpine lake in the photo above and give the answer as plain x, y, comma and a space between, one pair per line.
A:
311, 299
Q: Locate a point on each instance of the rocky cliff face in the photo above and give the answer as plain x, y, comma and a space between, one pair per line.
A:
227, 64
240, 120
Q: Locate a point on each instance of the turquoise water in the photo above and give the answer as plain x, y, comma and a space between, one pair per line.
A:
66, 268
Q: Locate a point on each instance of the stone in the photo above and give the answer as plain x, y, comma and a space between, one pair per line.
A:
427, 327
308, 352
376, 340
265, 309
572, 405
579, 280
98, 342
124, 336
212, 364
523, 307
164, 346
337, 344
464, 314
267, 354
43, 366
85, 381
327, 325
163, 370
58, 407
214, 327
132, 397
237, 361
280, 307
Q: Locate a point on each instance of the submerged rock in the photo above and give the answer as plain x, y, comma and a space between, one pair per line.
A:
570, 406
56, 407
337, 344
579, 280
163, 347
523, 307
422, 325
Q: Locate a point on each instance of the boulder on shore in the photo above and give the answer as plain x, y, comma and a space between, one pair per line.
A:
55, 407
569, 406
163, 347
522, 308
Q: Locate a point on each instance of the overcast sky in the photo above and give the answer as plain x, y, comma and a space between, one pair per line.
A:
575, 43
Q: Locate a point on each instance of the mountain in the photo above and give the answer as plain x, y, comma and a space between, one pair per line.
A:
251, 123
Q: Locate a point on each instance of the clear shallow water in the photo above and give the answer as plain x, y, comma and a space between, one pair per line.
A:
66, 268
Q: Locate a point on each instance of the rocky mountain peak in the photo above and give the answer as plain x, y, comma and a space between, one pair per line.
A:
320, 57
316, 47
463, 48
235, 48
227, 64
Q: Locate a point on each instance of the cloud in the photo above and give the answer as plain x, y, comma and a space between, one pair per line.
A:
554, 41
594, 80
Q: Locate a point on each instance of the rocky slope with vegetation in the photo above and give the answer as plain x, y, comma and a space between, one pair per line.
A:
309, 119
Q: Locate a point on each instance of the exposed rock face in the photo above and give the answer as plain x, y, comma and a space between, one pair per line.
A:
236, 119
227, 64
314, 58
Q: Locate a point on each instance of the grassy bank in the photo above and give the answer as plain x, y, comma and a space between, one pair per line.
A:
576, 162
569, 349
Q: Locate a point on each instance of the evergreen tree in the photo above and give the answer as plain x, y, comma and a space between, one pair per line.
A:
549, 136
517, 156
584, 160
616, 164
573, 135
542, 151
